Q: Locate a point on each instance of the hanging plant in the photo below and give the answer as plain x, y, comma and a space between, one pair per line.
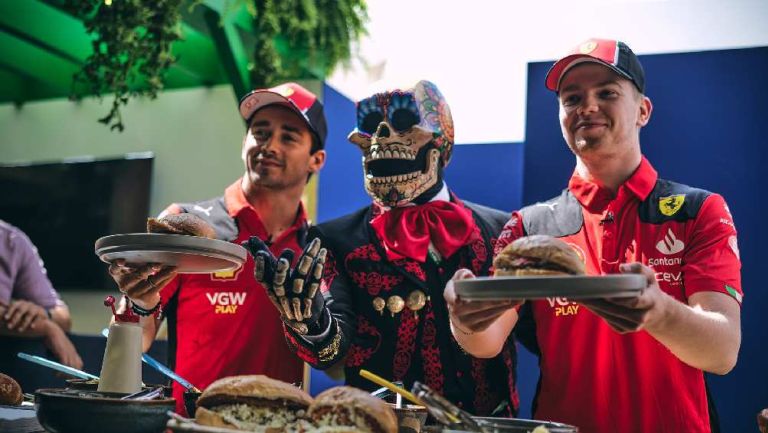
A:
131, 49
132, 43
303, 38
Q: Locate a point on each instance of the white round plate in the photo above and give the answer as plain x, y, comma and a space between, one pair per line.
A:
189, 254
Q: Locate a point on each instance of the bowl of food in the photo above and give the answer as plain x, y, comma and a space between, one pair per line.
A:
93, 385
83, 384
82, 411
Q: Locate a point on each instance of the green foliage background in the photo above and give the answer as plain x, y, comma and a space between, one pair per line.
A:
303, 38
133, 38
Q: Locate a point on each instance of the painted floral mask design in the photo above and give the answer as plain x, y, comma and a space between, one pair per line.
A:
406, 137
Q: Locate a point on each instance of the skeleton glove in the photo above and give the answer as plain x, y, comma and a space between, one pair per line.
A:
294, 292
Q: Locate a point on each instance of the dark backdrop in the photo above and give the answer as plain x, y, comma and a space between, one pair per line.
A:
65, 206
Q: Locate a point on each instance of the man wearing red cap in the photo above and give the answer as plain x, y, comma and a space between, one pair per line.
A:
223, 324
628, 364
386, 265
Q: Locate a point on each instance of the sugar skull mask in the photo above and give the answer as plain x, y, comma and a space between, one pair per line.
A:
406, 137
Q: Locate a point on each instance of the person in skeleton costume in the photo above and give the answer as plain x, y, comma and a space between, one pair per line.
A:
382, 269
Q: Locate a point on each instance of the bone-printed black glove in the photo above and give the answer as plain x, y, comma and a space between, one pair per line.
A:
294, 291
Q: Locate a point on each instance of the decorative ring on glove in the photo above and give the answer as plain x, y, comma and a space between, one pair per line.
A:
299, 327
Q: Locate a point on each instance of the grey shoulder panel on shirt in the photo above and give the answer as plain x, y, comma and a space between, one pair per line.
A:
671, 201
558, 217
214, 212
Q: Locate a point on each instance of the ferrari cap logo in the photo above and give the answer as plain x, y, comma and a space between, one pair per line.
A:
587, 47
283, 89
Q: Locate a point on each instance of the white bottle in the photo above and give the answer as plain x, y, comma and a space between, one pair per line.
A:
121, 367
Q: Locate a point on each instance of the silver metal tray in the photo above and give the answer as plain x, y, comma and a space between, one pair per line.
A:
190, 254
492, 425
547, 286
513, 425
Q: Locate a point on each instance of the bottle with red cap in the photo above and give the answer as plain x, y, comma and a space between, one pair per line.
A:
121, 367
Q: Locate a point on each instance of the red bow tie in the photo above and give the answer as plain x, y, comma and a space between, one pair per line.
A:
407, 231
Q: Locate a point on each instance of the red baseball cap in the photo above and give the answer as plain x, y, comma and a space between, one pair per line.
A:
291, 95
611, 53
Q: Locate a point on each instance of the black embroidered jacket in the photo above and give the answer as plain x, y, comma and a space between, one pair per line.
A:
393, 340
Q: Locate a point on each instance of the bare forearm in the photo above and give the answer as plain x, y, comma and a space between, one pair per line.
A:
42, 329
487, 343
60, 315
704, 339
150, 326
36, 332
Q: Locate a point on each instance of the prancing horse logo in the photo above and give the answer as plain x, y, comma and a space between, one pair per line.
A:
671, 204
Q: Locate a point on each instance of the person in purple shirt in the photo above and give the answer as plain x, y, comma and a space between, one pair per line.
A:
29, 305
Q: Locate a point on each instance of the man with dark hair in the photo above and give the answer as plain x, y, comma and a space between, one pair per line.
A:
622, 364
283, 146
379, 305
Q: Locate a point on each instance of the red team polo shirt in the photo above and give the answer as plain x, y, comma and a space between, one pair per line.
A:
225, 324
592, 376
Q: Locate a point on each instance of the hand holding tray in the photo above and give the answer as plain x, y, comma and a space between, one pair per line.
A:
189, 254
551, 286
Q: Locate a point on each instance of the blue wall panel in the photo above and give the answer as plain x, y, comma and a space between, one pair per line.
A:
492, 175
707, 130
341, 180
488, 174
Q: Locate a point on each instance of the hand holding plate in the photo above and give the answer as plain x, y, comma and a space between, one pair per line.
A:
469, 317
142, 284
630, 314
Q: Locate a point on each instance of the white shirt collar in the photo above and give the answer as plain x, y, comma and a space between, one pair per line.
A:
443, 195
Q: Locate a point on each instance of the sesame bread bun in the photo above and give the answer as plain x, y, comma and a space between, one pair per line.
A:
181, 224
345, 408
537, 255
253, 403
10, 391
254, 388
